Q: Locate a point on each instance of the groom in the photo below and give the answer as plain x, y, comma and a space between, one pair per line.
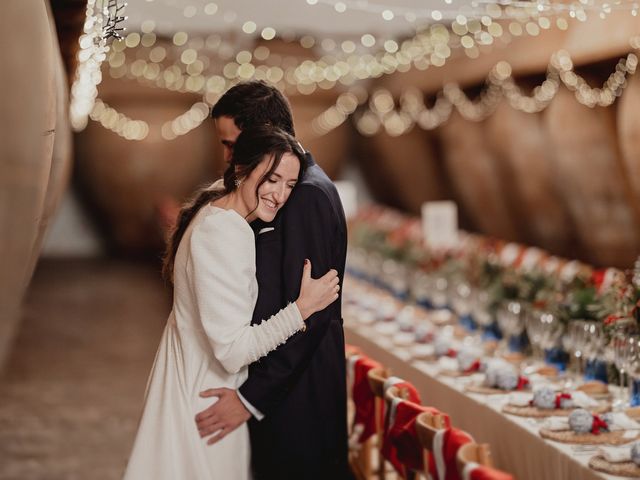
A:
295, 397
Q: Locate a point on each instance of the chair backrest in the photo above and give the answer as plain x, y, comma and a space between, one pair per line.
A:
396, 392
351, 350
474, 453
427, 426
377, 377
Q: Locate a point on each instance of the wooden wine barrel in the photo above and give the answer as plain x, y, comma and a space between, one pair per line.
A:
476, 177
519, 140
62, 151
590, 177
27, 129
127, 182
405, 166
629, 134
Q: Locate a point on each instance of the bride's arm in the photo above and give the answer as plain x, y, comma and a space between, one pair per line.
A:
221, 268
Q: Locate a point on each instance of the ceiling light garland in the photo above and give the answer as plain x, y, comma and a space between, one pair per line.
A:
185, 64
102, 18
426, 48
119, 123
382, 111
412, 14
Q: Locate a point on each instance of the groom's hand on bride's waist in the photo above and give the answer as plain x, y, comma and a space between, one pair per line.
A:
223, 417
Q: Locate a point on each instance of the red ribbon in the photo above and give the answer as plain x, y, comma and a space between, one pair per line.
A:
475, 366
559, 398
452, 353
597, 278
598, 425
523, 382
611, 319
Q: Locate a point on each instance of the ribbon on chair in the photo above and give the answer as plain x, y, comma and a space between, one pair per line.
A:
474, 471
401, 445
363, 398
392, 421
442, 460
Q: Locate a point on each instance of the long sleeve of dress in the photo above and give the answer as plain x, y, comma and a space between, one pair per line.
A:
221, 267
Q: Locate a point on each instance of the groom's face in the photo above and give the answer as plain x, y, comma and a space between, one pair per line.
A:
228, 134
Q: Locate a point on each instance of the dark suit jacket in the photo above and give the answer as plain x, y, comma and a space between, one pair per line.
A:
301, 387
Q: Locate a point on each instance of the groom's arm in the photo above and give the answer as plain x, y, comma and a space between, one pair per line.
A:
308, 229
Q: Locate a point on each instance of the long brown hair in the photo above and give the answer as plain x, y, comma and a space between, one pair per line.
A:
250, 149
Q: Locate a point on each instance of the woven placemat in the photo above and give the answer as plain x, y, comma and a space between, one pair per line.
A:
568, 436
455, 373
622, 469
535, 412
487, 390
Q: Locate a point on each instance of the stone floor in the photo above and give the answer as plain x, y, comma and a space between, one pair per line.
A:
72, 388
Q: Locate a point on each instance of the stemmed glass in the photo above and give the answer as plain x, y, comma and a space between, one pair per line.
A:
551, 329
594, 342
573, 342
616, 352
510, 321
480, 303
630, 361
460, 295
533, 327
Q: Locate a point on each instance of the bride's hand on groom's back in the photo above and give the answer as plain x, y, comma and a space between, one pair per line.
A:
223, 417
317, 294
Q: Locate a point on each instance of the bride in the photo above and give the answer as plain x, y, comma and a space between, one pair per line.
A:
208, 340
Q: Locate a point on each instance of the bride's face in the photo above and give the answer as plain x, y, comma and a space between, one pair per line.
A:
275, 190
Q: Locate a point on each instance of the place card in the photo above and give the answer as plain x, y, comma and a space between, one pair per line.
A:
440, 224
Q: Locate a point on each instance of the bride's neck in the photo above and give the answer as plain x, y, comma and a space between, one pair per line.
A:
233, 201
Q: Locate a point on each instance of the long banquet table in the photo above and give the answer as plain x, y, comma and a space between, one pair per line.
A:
515, 443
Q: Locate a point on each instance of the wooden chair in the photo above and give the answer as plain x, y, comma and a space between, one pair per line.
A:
377, 377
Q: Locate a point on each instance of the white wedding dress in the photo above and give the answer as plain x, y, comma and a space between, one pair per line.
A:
207, 343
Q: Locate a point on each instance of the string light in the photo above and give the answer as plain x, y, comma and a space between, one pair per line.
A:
131, 129
382, 112
502, 10
99, 25
185, 65
119, 123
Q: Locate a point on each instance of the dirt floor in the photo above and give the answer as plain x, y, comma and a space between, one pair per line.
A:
72, 389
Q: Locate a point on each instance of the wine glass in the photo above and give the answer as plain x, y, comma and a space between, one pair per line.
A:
533, 327
510, 320
594, 342
575, 342
631, 363
480, 303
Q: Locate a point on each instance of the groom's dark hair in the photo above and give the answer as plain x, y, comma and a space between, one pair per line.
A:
253, 104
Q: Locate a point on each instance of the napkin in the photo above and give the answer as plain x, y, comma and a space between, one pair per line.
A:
448, 363
621, 421
403, 338
615, 454
423, 350
386, 328
581, 399
520, 399
556, 424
